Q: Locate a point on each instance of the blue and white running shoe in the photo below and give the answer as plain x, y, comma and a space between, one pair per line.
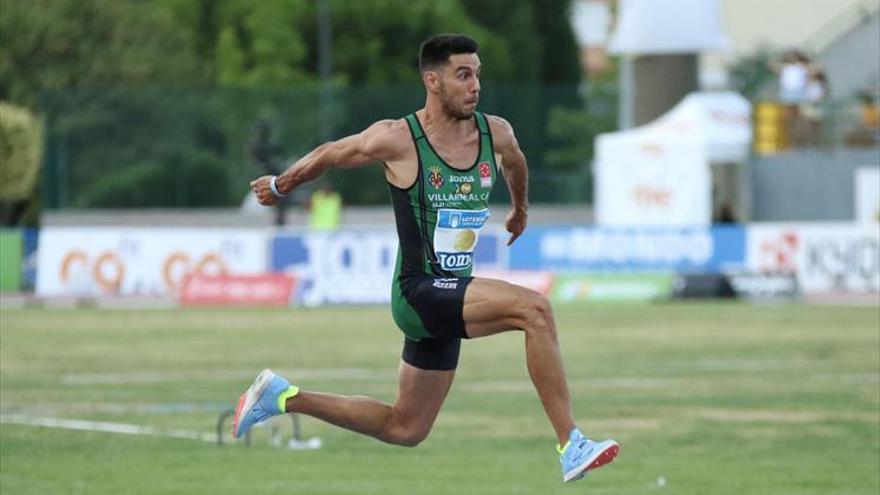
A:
262, 400
580, 455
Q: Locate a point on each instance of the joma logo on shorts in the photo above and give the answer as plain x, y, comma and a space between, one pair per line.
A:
455, 261
445, 283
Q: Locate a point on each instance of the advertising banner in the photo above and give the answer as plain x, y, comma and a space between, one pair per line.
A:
867, 197
29, 261
351, 266
581, 249
764, 286
540, 282
342, 267
611, 287
825, 258
219, 290
141, 261
10, 260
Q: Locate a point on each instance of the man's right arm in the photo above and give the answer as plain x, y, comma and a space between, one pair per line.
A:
374, 144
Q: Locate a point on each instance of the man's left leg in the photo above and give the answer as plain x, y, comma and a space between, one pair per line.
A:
495, 306
407, 422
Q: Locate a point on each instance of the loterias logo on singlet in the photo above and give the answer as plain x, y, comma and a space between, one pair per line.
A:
455, 236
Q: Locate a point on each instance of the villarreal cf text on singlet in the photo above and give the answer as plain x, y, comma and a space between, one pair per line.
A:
439, 219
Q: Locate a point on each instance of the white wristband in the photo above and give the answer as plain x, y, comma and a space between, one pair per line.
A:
274, 188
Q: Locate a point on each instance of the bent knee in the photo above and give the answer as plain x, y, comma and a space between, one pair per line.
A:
538, 314
409, 437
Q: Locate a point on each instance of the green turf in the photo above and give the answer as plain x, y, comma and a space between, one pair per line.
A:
715, 398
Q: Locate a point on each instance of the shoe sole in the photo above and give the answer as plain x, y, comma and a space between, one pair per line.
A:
250, 397
603, 457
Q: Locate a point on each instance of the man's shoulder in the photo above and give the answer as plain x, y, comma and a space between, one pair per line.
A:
501, 129
389, 129
387, 138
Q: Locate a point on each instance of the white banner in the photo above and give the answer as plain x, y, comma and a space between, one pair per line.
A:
826, 258
342, 267
867, 197
141, 261
642, 183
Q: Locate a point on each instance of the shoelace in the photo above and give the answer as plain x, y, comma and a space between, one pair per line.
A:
582, 444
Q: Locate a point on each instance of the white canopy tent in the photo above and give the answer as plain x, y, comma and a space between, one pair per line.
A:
659, 174
668, 26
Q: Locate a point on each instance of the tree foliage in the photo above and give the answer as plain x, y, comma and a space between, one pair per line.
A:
153, 103
20, 140
20, 137
750, 74
71, 44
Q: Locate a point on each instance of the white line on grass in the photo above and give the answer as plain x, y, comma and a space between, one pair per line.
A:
103, 426
240, 375
60, 407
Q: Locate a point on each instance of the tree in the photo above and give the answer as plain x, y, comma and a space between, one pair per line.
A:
560, 59
255, 43
108, 78
68, 44
20, 140
538, 32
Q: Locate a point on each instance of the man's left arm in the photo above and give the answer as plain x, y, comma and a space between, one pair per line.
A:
516, 174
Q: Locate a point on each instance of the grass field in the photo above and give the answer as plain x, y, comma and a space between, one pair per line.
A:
712, 398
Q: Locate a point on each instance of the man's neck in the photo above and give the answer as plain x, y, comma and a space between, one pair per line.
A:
436, 120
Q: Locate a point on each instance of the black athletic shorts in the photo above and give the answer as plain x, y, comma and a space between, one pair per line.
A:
431, 354
428, 309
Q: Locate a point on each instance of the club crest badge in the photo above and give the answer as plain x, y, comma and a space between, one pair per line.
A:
435, 178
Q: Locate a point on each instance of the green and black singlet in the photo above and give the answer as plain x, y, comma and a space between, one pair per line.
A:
439, 218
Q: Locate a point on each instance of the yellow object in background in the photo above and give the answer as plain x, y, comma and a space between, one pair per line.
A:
871, 116
771, 131
326, 209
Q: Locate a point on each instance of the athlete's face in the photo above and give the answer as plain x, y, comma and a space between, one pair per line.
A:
458, 85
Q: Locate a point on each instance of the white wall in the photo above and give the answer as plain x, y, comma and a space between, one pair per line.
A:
776, 23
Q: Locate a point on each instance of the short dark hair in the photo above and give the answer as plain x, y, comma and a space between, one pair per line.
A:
435, 51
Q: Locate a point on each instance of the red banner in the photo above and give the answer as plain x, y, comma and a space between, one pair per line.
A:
258, 290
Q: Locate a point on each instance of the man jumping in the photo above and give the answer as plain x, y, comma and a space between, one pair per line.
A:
441, 164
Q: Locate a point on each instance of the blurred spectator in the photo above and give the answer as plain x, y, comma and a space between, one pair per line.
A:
793, 77
325, 208
867, 133
726, 214
812, 110
794, 84
870, 111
